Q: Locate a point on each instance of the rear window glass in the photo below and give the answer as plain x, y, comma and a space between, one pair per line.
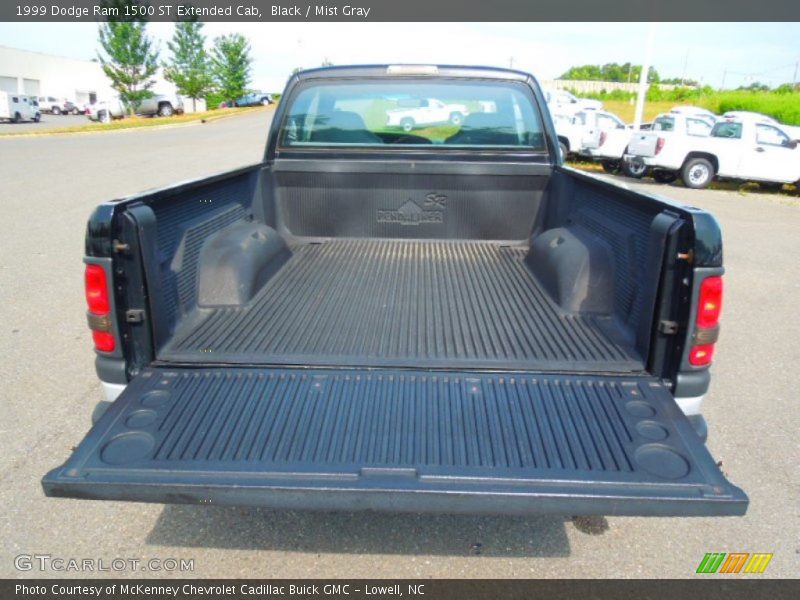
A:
727, 130
413, 113
697, 127
664, 124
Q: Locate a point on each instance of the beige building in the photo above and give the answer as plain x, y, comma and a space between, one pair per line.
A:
37, 74
79, 81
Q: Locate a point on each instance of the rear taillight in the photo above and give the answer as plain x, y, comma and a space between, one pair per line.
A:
701, 355
99, 304
709, 307
603, 136
97, 290
710, 303
660, 144
103, 341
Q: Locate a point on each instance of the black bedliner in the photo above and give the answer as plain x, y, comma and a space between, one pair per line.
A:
399, 440
405, 303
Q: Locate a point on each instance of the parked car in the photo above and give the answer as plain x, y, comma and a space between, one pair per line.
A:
106, 111
397, 326
162, 105
737, 148
423, 112
17, 108
254, 99
562, 102
70, 108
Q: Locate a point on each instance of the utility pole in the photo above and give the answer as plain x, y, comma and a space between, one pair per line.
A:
685, 64
724, 74
794, 77
648, 57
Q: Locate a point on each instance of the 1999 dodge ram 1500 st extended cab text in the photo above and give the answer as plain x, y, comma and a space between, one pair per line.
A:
444, 320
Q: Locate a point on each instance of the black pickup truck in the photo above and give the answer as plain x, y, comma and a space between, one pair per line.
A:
442, 319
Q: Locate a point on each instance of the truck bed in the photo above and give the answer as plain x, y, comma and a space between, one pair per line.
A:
408, 303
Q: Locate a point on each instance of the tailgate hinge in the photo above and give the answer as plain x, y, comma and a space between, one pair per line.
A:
134, 315
120, 247
668, 327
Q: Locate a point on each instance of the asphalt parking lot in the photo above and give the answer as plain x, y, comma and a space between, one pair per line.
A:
48, 122
48, 388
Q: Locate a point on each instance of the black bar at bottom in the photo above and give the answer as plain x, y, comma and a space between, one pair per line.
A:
729, 587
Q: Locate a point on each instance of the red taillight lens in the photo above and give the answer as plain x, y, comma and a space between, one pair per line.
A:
103, 341
97, 299
701, 355
710, 302
97, 290
709, 307
660, 144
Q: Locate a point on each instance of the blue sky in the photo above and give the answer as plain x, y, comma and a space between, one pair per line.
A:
766, 52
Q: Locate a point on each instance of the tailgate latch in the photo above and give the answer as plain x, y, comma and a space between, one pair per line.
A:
134, 315
668, 327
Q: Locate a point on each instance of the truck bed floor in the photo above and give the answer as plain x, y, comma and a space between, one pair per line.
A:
403, 303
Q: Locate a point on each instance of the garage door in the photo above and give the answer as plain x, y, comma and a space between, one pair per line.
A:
30, 87
8, 84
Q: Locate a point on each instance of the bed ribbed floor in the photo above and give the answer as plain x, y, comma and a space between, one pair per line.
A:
403, 303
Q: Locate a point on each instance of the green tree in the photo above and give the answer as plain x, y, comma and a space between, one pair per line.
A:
787, 88
756, 86
188, 67
231, 64
681, 81
609, 72
128, 56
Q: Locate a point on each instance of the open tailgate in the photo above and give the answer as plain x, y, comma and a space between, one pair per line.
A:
399, 440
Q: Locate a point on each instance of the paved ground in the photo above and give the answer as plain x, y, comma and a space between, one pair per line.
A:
48, 387
48, 122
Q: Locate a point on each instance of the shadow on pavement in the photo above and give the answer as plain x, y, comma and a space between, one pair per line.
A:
359, 533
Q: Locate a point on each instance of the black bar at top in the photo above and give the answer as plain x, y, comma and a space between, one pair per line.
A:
422, 10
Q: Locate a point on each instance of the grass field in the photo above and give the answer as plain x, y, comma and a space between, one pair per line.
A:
139, 122
625, 109
785, 107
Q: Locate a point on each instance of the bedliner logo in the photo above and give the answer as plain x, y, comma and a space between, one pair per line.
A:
734, 562
411, 213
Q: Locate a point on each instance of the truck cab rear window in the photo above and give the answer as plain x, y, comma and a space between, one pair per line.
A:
413, 113
727, 129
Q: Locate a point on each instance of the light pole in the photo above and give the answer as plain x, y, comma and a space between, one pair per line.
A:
648, 57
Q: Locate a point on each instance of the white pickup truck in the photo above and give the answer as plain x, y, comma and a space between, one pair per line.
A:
605, 138
162, 105
742, 148
596, 135
666, 126
422, 112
